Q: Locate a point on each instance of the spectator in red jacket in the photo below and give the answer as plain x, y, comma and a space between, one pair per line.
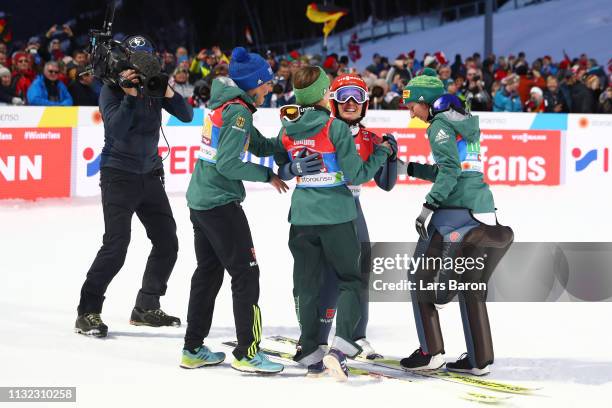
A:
23, 73
527, 80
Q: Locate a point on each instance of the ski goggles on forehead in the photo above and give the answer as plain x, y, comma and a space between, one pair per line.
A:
344, 93
292, 113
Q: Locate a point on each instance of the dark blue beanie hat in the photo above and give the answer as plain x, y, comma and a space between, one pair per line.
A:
249, 70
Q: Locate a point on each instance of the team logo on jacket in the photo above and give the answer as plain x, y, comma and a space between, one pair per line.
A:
442, 136
240, 121
454, 236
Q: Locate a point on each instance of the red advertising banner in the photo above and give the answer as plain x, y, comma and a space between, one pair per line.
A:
510, 157
35, 162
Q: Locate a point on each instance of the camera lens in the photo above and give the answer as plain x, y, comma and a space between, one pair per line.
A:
153, 83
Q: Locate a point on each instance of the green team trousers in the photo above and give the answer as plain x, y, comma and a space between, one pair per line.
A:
311, 246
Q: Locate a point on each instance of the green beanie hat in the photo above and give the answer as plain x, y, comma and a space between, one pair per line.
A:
426, 87
314, 92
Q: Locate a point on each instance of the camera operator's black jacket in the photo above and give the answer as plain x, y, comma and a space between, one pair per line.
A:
131, 128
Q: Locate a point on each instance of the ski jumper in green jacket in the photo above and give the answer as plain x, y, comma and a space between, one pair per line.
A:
221, 230
321, 215
463, 226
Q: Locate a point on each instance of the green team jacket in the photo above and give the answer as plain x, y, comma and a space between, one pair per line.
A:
328, 205
213, 185
452, 187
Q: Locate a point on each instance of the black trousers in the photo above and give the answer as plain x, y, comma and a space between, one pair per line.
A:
223, 242
124, 194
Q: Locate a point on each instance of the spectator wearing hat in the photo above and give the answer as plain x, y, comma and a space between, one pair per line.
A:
23, 73
554, 99
507, 98
180, 83
48, 90
431, 61
8, 96
535, 103
80, 88
330, 65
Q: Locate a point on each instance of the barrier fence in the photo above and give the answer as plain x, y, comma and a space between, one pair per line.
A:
55, 151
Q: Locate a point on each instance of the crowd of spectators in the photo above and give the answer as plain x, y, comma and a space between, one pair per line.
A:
500, 83
51, 70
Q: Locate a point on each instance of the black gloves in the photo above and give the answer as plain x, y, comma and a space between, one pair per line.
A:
303, 165
421, 221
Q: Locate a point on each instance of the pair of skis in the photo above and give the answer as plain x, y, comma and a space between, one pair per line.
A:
394, 365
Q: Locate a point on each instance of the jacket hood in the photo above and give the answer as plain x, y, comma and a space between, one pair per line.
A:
307, 125
224, 89
467, 126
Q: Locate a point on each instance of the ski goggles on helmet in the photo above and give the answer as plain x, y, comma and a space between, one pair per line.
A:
344, 93
291, 113
446, 102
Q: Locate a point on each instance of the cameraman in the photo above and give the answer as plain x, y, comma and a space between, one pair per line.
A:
131, 180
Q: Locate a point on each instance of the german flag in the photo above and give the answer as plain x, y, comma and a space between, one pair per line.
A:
328, 15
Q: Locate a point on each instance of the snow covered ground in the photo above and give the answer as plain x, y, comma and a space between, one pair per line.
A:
47, 247
545, 29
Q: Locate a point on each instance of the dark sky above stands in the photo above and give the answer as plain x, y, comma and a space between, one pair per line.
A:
201, 23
